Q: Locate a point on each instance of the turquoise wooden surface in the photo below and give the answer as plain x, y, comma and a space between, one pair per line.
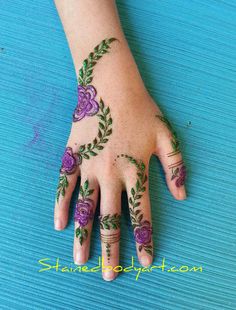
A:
185, 50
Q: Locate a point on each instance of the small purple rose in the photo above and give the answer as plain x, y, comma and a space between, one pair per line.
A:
83, 211
143, 233
182, 176
69, 161
87, 105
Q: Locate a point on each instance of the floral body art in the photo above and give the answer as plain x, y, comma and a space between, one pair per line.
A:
178, 169
179, 173
110, 222
84, 212
87, 105
104, 131
142, 228
174, 141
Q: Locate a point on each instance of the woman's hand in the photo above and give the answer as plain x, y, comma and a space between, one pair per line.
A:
116, 128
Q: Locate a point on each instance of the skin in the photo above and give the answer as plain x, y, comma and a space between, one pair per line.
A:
136, 129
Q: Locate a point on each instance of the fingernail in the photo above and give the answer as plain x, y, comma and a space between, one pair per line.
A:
108, 275
182, 193
79, 258
58, 224
145, 260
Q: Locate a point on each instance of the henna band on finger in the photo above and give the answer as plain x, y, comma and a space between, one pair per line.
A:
110, 222
108, 240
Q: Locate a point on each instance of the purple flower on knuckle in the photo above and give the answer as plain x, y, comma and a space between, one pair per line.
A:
69, 161
87, 105
143, 233
83, 211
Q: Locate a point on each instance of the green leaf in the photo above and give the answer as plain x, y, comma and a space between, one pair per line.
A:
85, 156
89, 192
99, 147
88, 80
99, 133
92, 153
107, 110
101, 104
140, 217
89, 72
109, 122
86, 184
109, 132
148, 251
81, 191
81, 148
101, 117
101, 125
137, 185
111, 40
77, 232
85, 63
81, 73
132, 191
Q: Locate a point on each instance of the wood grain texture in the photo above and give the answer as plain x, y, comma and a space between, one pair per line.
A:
186, 53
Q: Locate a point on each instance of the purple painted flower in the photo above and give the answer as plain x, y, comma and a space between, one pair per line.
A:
69, 161
83, 211
182, 176
87, 105
143, 233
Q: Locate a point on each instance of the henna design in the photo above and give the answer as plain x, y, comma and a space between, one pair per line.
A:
108, 240
84, 212
61, 188
180, 174
104, 131
177, 172
142, 228
87, 106
85, 73
110, 222
174, 141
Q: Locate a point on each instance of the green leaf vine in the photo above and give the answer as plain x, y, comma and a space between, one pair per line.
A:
174, 141
104, 131
82, 234
110, 221
62, 185
85, 191
136, 193
85, 73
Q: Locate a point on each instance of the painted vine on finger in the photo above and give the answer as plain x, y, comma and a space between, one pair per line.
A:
110, 222
142, 228
174, 141
84, 212
62, 185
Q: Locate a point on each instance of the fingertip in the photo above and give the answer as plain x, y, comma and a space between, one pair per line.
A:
181, 194
145, 260
58, 225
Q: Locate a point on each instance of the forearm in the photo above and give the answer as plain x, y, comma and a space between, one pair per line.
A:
86, 24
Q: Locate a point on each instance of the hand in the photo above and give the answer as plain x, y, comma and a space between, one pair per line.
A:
116, 128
